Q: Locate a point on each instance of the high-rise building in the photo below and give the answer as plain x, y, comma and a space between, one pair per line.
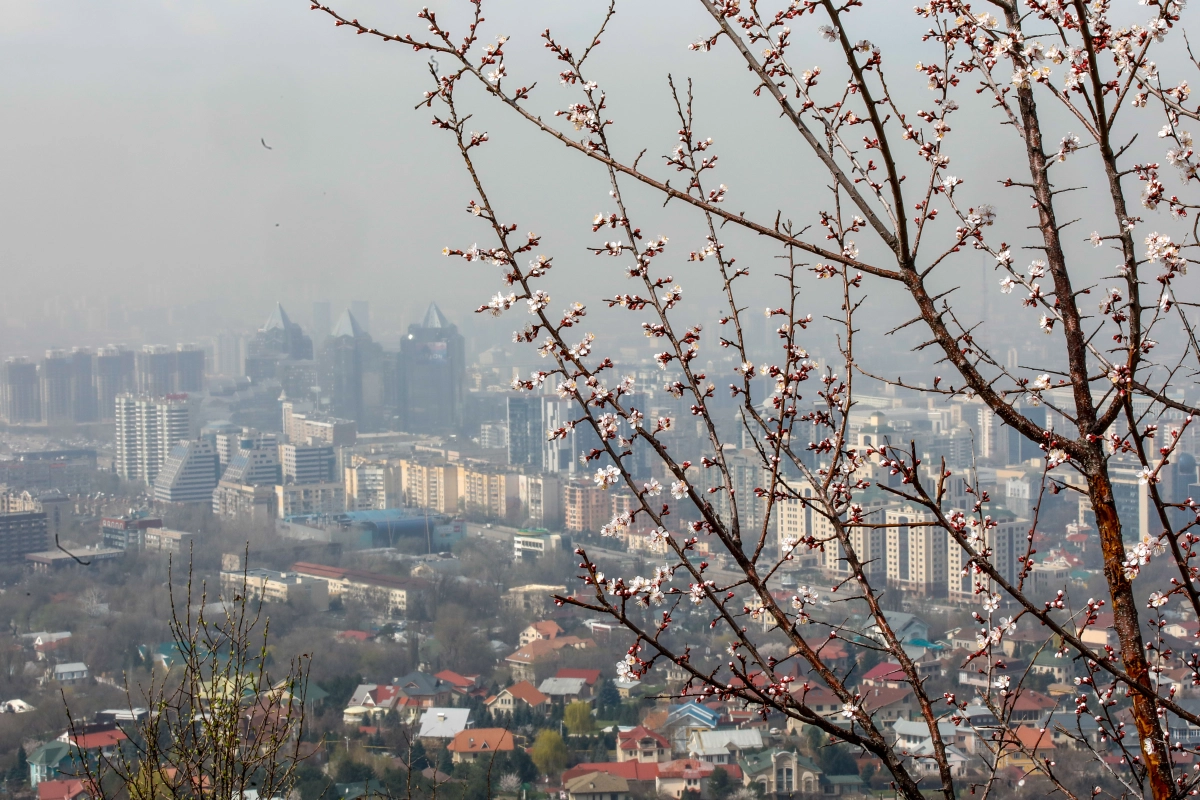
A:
255, 462
55, 384
21, 533
154, 368
279, 339
146, 430
19, 391
1001, 541
188, 474
230, 355
83, 385
304, 463
916, 552
189, 368
432, 375
526, 431
114, 376
344, 356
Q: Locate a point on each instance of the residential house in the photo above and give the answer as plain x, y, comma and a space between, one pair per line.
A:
476, 743
820, 700
470, 685
1059, 669
912, 735
521, 693
46, 642
545, 629
63, 789
70, 674
907, 627
642, 744
541, 655
371, 701
684, 720
597, 786
639, 776
888, 675
424, 690
47, 762
564, 690
780, 771
626, 689
683, 775
723, 746
1029, 705
590, 677
1019, 746
1065, 727
441, 724
923, 760
889, 705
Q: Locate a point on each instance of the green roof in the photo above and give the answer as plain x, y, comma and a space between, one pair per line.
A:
51, 754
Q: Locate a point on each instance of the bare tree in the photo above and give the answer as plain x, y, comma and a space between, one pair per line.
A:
886, 166
215, 720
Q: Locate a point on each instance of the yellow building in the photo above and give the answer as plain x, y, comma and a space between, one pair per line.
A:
433, 485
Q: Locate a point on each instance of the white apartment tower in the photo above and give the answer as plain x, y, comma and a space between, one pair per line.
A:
147, 428
916, 552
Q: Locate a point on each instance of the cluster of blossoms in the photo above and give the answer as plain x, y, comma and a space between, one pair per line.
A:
1140, 554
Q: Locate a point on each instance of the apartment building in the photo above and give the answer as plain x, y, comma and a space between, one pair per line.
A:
387, 593
489, 492
431, 484
275, 587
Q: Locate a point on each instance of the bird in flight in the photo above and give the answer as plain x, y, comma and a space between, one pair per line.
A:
264, 144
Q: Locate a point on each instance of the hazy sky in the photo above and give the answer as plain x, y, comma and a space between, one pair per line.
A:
132, 164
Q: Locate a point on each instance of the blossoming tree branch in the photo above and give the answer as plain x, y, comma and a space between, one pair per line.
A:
1029, 66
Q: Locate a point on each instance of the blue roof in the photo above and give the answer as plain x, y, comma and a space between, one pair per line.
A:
702, 714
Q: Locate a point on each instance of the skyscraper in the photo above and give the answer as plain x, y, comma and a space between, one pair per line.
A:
55, 385
19, 391
147, 428
343, 366
114, 376
155, 370
279, 340
432, 375
83, 385
526, 431
189, 368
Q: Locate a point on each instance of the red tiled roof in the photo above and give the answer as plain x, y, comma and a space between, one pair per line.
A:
528, 693
481, 740
1030, 700
547, 627
629, 770
887, 671
628, 740
60, 789
590, 676
92, 741
456, 680
881, 697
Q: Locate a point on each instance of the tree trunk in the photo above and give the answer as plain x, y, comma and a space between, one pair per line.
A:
1129, 633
